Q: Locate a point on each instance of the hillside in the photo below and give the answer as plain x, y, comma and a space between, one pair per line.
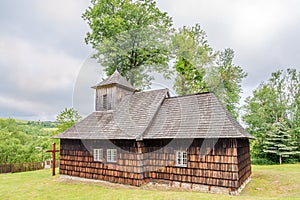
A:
24, 141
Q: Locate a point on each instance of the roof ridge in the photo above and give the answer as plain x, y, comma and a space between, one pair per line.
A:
140, 137
187, 95
117, 79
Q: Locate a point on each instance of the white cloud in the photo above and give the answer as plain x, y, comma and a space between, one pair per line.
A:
246, 23
24, 106
62, 11
35, 67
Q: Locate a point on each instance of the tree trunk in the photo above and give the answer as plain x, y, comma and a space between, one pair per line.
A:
280, 159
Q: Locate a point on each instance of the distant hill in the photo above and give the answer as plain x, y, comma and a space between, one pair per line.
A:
25, 141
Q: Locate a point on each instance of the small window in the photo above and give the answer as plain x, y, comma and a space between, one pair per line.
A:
104, 98
111, 155
98, 155
181, 158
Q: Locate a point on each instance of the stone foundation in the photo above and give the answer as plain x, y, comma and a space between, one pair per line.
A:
174, 185
199, 187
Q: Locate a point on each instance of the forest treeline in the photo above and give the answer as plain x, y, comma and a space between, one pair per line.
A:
25, 141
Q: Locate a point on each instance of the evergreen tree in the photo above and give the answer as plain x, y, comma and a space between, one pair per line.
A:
279, 141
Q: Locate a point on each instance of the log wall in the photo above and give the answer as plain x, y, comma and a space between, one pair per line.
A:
76, 159
222, 163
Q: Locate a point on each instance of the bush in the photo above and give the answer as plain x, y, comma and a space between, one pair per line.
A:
262, 161
290, 161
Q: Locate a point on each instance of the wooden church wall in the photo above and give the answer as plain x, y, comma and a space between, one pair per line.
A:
76, 159
218, 166
244, 160
226, 165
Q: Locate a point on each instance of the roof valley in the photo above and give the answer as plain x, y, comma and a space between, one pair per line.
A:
140, 137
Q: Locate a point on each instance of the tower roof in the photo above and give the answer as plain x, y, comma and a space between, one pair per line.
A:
117, 79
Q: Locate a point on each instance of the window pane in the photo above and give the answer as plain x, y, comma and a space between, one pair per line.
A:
181, 158
111, 155
98, 154
184, 160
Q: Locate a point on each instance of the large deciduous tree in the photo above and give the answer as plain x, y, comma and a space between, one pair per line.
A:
193, 54
229, 87
200, 69
274, 106
132, 36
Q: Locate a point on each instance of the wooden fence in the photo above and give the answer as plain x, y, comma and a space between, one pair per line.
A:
21, 167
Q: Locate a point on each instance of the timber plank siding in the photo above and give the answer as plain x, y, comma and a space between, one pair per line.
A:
226, 165
141, 137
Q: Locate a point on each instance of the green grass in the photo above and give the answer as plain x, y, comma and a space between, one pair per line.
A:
268, 182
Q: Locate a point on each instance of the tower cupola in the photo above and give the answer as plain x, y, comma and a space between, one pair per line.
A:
110, 92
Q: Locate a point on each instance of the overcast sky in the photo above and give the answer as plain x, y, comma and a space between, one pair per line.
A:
43, 56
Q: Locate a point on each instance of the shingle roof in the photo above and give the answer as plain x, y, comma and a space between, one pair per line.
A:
194, 116
128, 121
117, 79
151, 115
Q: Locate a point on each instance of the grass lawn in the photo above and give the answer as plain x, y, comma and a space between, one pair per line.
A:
268, 182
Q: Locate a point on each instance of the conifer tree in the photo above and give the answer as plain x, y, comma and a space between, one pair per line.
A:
279, 141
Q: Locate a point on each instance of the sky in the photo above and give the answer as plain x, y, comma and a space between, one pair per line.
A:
45, 65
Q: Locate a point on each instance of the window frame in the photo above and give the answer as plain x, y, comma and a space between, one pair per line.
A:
98, 155
111, 155
181, 158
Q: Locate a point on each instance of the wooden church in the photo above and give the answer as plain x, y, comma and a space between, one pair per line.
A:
139, 138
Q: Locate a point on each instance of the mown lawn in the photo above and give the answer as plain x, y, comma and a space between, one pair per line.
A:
268, 182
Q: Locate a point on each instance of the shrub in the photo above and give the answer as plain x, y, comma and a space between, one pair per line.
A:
261, 161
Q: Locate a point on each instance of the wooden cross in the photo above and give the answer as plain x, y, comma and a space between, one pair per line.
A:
53, 157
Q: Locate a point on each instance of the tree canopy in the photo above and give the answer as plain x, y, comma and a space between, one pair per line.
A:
193, 54
200, 69
22, 141
132, 36
272, 114
66, 119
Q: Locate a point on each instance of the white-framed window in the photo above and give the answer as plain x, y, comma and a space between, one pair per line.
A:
181, 158
98, 155
111, 155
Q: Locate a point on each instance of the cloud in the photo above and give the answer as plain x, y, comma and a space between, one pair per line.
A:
61, 11
35, 79
42, 47
262, 33
16, 107
35, 67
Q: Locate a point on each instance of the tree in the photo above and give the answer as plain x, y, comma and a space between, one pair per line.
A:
132, 36
200, 69
66, 119
18, 141
193, 54
276, 99
230, 78
279, 141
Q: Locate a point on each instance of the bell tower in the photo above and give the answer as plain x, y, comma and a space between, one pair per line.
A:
110, 92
